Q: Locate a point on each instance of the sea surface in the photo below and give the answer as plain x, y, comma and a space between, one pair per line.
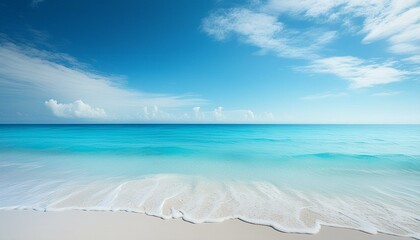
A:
294, 178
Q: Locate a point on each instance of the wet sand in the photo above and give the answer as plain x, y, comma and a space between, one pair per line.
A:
88, 225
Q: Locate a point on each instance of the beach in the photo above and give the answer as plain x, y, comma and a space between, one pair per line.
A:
87, 225
210, 120
291, 178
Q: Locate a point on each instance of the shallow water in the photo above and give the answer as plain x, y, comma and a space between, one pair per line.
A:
292, 177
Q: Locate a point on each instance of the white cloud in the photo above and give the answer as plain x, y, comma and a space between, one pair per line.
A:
413, 59
152, 112
324, 95
386, 94
249, 115
77, 109
197, 113
358, 72
239, 115
29, 76
196, 109
259, 24
396, 21
268, 116
309, 8
266, 32
218, 113
222, 115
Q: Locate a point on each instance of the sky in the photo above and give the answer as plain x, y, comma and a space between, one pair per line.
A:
210, 61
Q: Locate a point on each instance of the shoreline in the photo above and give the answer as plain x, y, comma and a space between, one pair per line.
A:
20, 224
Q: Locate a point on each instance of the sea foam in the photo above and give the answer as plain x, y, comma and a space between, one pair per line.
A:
198, 199
294, 178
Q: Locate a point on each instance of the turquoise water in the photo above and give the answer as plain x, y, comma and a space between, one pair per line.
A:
292, 177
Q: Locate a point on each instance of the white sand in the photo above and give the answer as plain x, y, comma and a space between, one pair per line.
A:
89, 225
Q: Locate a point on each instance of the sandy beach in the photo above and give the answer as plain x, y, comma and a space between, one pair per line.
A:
81, 225
210, 120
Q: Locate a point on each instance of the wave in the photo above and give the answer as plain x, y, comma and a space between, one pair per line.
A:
198, 199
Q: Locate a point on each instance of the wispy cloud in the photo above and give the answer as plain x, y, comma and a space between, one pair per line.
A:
358, 72
266, 32
36, 82
398, 22
413, 59
259, 24
31, 76
386, 94
324, 96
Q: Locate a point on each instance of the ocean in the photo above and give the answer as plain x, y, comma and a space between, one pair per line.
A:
294, 178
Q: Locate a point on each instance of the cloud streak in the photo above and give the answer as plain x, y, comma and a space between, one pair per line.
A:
259, 24
324, 96
398, 22
265, 32
358, 72
31, 76
386, 94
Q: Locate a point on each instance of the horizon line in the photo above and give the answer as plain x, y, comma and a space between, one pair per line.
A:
209, 123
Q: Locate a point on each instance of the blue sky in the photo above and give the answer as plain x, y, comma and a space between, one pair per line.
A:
274, 61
